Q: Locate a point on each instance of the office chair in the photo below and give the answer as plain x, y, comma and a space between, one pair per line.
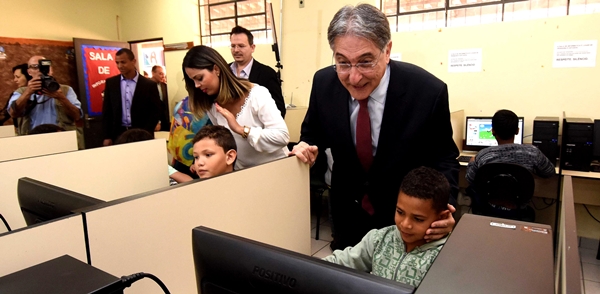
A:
504, 190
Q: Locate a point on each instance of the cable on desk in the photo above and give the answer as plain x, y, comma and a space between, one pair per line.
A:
126, 281
588, 211
548, 205
5, 223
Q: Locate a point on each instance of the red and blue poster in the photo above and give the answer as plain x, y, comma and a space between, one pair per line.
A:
98, 65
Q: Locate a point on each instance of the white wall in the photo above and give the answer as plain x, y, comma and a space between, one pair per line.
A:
59, 19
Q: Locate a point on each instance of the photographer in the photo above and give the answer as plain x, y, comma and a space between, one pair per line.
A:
44, 101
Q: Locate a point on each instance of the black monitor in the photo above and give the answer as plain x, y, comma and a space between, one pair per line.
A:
41, 202
478, 133
596, 141
228, 264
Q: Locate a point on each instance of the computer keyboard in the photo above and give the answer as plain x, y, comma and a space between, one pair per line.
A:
464, 158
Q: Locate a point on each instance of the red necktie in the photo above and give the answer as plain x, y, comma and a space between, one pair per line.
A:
364, 147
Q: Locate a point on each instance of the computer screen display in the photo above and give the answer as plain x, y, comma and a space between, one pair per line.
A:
478, 134
41, 201
231, 264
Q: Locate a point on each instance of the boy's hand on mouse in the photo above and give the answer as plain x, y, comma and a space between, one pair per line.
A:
441, 227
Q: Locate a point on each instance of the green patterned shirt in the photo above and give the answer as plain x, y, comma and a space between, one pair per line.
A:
382, 253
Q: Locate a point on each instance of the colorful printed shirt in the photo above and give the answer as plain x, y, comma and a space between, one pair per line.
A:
184, 127
383, 253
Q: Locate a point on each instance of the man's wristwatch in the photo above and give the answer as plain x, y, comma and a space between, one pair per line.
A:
246, 132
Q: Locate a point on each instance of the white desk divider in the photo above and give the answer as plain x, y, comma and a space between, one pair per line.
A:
36, 145
152, 233
31, 246
7, 131
568, 265
106, 173
457, 119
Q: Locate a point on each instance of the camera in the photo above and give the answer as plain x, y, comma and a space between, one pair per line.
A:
49, 83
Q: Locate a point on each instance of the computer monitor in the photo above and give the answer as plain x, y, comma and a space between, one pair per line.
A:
41, 201
228, 264
478, 134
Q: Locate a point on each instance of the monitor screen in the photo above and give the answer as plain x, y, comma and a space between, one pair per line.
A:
41, 202
230, 264
478, 134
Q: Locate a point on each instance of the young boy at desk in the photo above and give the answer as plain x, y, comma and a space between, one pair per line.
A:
214, 151
400, 252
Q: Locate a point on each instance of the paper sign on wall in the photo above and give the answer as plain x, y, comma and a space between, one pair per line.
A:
575, 54
464, 60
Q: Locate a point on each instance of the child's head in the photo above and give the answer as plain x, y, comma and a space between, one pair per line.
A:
134, 135
215, 151
423, 199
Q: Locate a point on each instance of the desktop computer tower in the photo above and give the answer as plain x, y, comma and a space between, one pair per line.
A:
577, 144
545, 136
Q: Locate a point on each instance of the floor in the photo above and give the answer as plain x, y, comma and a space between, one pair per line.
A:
588, 249
320, 248
590, 266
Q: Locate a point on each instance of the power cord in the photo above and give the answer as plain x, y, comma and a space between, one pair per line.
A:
588, 211
543, 200
126, 282
5, 223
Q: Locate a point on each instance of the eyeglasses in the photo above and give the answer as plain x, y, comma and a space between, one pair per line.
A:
362, 67
34, 66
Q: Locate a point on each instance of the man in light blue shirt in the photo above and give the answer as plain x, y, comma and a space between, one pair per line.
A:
39, 106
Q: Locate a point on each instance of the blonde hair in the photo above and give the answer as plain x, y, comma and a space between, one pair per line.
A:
231, 88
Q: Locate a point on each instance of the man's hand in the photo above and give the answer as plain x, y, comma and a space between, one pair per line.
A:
33, 86
442, 227
58, 95
157, 127
107, 142
306, 153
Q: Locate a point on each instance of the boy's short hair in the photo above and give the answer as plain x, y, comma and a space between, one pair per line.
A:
220, 134
505, 124
427, 183
134, 135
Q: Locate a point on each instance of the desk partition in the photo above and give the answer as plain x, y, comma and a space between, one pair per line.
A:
37, 145
152, 233
457, 119
293, 119
568, 273
491, 255
27, 247
586, 189
7, 131
105, 173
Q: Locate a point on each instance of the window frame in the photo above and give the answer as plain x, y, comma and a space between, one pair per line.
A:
447, 8
207, 3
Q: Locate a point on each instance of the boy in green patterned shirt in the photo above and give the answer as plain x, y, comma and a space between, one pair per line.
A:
400, 252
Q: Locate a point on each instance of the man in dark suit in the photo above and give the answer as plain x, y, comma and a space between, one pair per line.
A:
404, 124
242, 47
130, 100
158, 76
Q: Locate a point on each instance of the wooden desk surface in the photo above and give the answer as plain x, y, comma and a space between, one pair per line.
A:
481, 258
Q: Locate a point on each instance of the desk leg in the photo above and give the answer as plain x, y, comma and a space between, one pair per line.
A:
598, 253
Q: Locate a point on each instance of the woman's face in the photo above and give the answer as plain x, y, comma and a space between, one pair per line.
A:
19, 78
205, 80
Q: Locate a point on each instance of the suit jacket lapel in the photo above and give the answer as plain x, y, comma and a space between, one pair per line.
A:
394, 112
117, 100
137, 95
